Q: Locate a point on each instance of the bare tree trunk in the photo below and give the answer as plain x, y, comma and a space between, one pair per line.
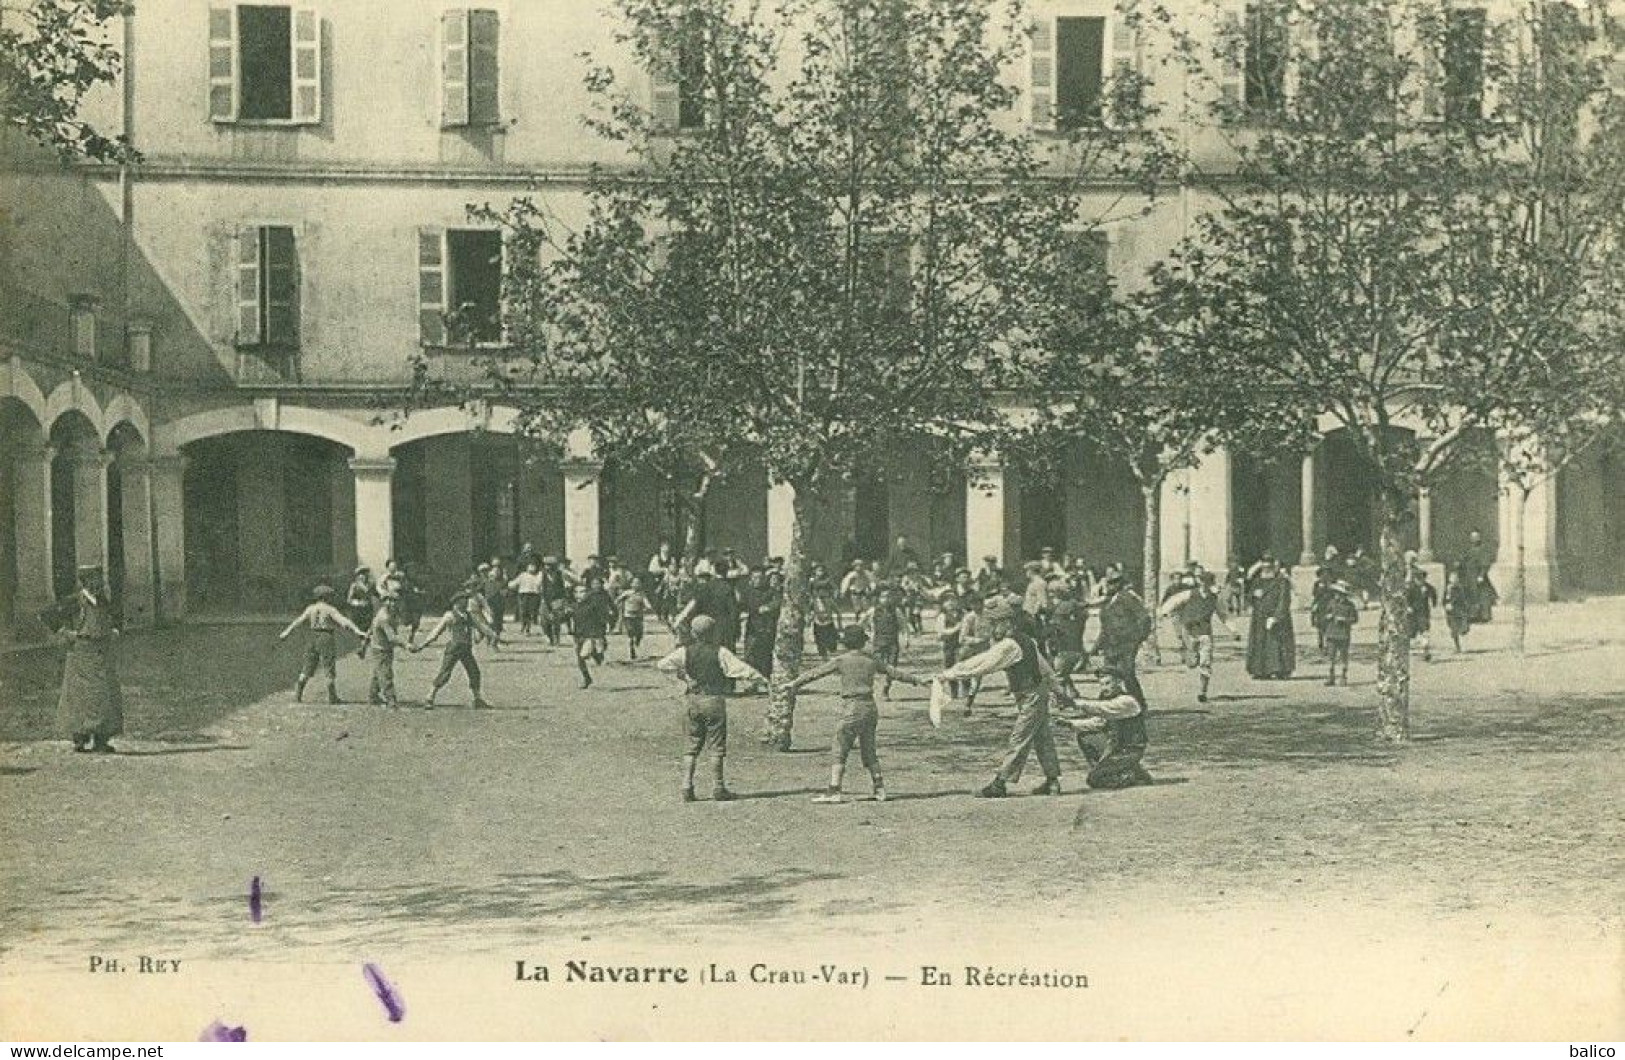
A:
1151, 560
694, 507
1520, 578
779, 722
1393, 627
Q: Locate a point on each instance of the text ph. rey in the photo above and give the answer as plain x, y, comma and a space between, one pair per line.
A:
143, 965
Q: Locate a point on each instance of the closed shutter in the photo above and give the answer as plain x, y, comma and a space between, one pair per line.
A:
281, 265
248, 286
483, 104
1126, 64
1041, 76
431, 286
1233, 59
454, 68
306, 41
222, 63
665, 90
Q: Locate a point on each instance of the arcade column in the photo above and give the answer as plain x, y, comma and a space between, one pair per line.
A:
166, 480
374, 510
984, 510
581, 509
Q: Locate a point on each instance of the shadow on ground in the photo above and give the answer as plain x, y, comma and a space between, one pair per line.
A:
175, 681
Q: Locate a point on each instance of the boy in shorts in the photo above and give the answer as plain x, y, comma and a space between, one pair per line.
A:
860, 715
707, 670
324, 621
633, 604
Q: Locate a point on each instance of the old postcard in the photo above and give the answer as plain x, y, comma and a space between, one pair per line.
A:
821, 519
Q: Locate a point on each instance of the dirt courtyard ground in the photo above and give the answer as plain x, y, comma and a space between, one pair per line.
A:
1286, 876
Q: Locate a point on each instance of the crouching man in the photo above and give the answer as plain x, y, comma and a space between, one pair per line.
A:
1114, 762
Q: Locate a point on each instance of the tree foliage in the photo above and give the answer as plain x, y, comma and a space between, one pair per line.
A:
1417, 279
52, 54
834, 256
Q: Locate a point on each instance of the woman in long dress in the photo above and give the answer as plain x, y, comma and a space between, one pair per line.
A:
1271, 649
90, 710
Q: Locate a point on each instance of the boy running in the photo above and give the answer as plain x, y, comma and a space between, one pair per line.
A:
885, 623
527, 584
594, 614
634, 605
708, 671
324, 621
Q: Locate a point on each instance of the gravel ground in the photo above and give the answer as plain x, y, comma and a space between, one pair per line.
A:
1286, 875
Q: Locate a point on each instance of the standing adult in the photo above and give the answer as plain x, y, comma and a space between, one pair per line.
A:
361, 598
902, 554
765, 601
1271, 649
1474, 569
714, 599
1031, 684
90, 708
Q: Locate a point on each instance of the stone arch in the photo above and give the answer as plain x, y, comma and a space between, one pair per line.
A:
73, 395
450, 419
363, 440
125, 411
20, 386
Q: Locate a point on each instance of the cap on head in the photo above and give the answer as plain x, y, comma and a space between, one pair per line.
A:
322, 592
702, 626
998, 609
854, 637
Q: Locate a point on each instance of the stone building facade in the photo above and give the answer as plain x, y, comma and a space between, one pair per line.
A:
202, 358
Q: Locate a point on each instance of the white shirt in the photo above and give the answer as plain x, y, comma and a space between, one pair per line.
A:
527, 583
732, 665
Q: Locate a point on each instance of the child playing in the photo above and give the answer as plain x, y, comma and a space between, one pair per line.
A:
1119, 715
885, 622
594, 614
860, 717
825, 626
462, 620
528, 585
950, 615
634, 605
324, 621
384, 636
1338, 616
708, 671
1459, 606
1066, 622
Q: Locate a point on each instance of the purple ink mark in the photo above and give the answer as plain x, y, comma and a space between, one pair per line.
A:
391, 998
255, 900
219, 1032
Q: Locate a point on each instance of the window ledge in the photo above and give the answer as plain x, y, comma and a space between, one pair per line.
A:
268, 123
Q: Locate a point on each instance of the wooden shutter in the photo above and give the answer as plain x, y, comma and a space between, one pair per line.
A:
1233, 32
431, 286
1041, 76
222, 63
1125, 42
248, 286
454, 68
280, 259
483, 80
665, 89
306, 42
1432, 72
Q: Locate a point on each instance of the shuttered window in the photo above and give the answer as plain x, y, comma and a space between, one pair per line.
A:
1264, 57
267, 287
1464, 65
677, 82
459, 286
1080, 59
470, 80
1041, 74
265, 64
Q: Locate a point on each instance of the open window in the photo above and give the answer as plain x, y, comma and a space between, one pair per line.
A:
460, 287
265, 64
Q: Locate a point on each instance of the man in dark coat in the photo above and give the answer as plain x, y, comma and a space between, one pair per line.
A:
1474, 569
1271, 649
90, 709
